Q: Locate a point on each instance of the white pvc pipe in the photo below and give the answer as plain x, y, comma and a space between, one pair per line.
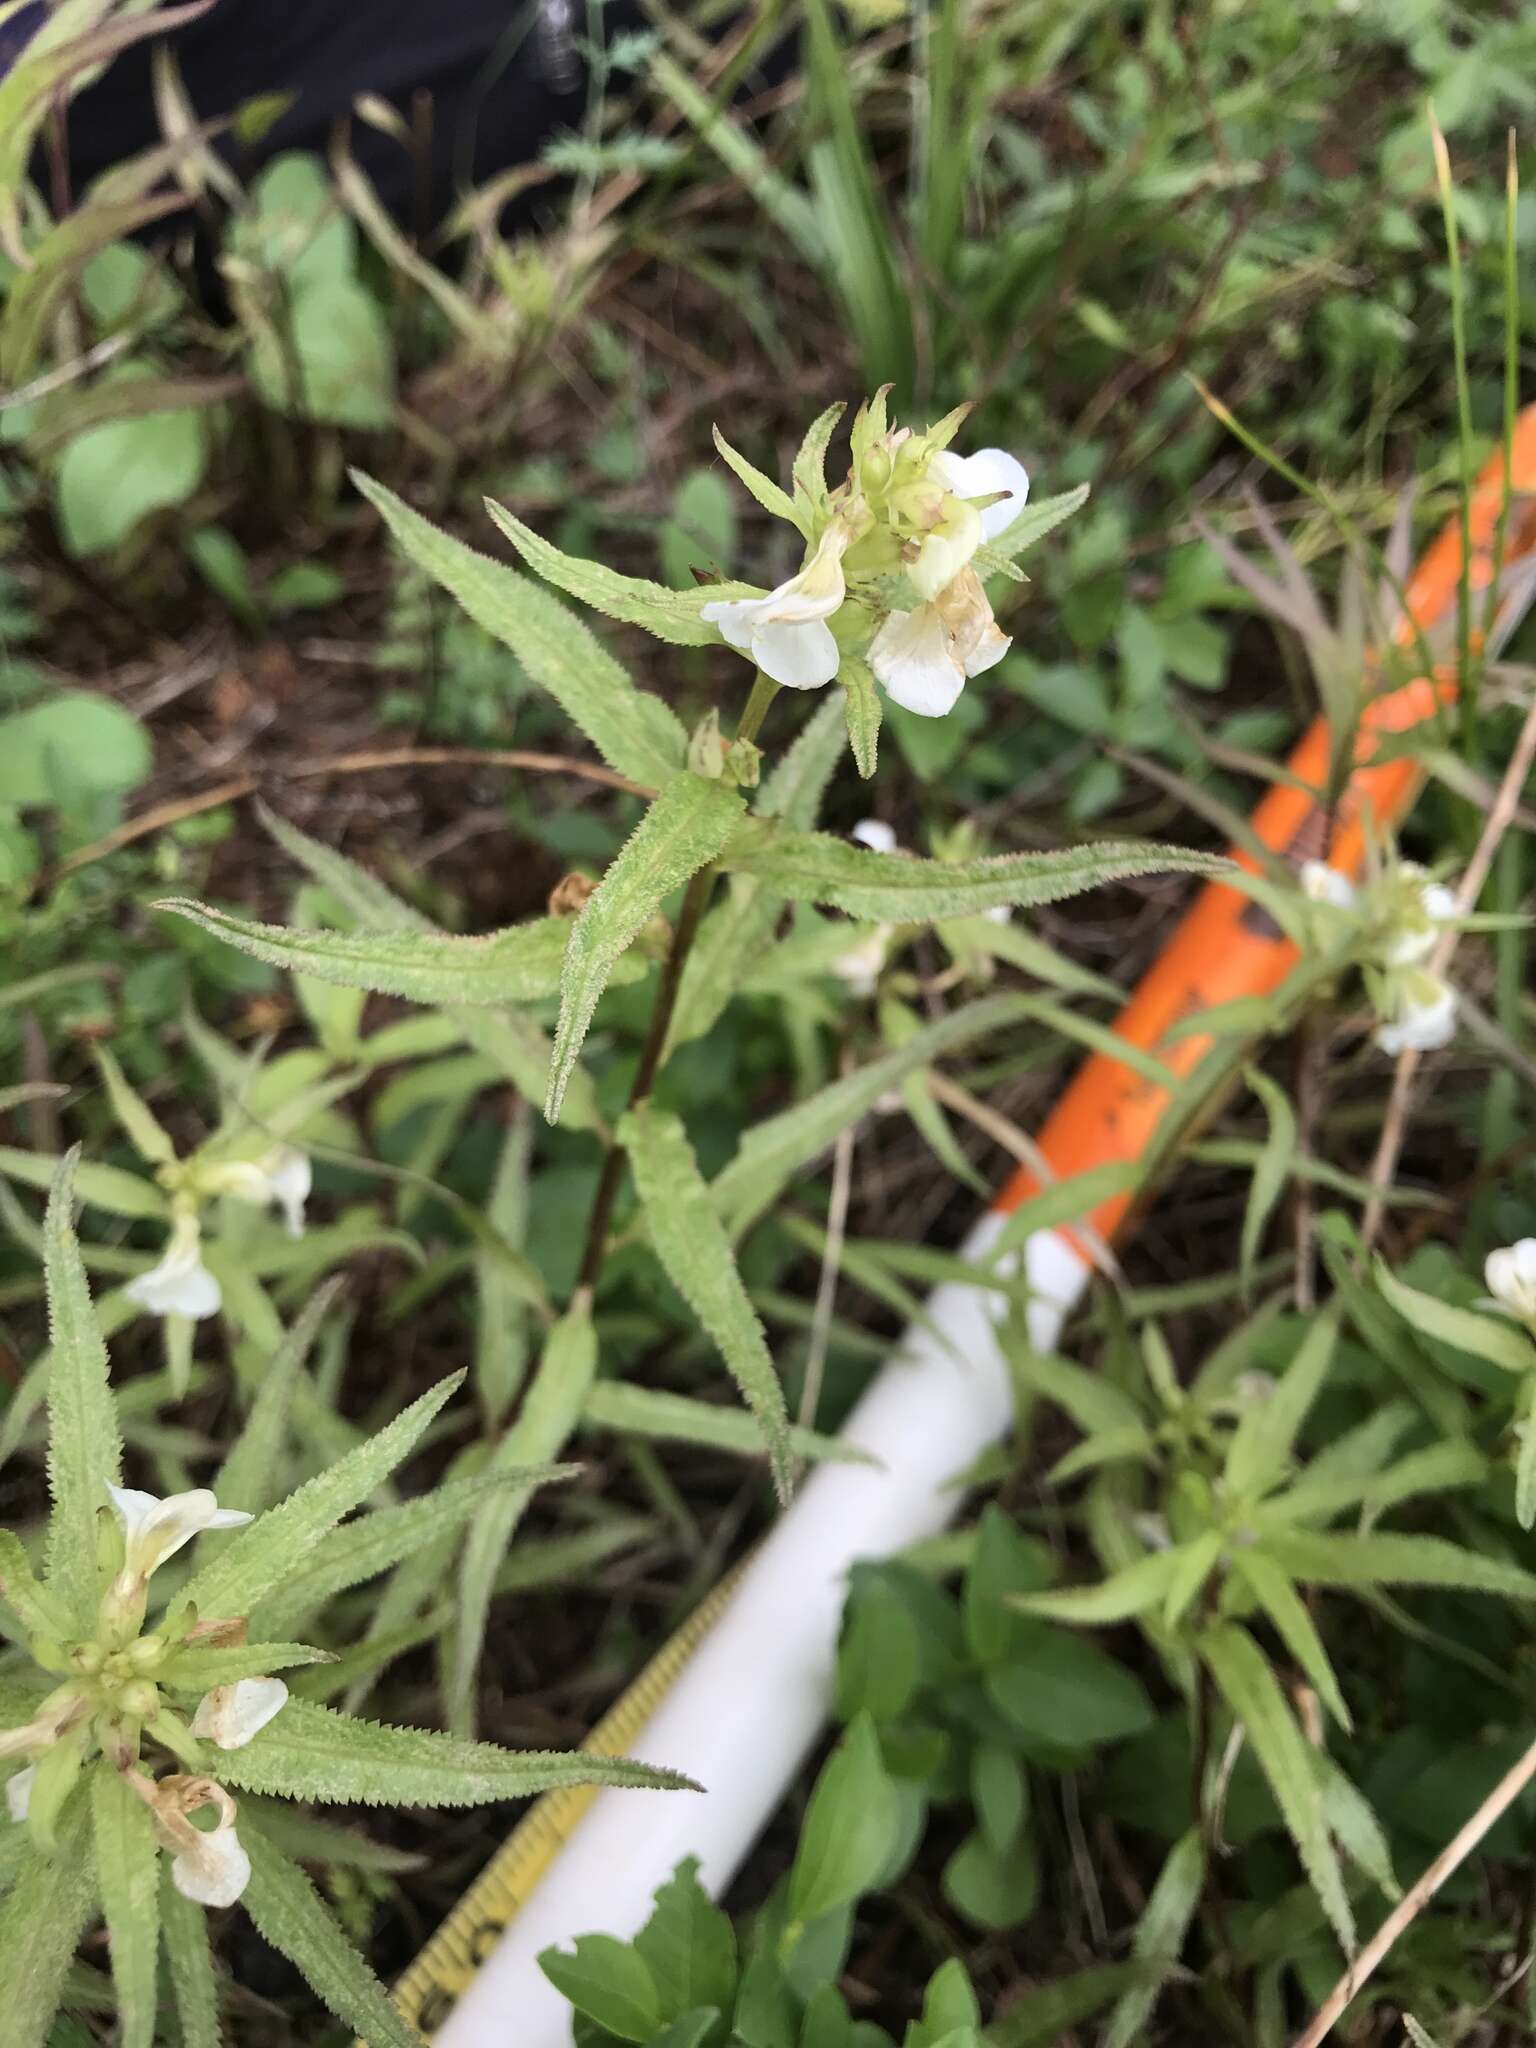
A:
752, 1699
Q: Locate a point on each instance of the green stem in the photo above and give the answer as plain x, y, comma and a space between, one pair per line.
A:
690, 917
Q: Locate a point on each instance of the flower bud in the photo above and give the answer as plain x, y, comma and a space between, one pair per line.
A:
147, 1654
139, 1701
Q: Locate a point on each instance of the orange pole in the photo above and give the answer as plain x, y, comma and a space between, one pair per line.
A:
1227, 946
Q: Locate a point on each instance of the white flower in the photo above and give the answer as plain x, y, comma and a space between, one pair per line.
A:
1511, 1278
786, 633
861, 966
18, 1792
231, 1714
181, 1285
283, 1176
946, 549
213, 1869
1421, 917
1324, 884
876, 834
155, 1529
1423, 1015
981, 474
923, 658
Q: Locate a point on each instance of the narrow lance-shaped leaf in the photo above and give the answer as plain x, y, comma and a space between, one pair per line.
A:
518, 965
677, 1418
1264, 1439
1253, 1693
691, 1243
773, 498
681, 832
41, 1918
263, 1554
84, 1447
290, 1914
133, 1112
1488, 1337
128, 1869
98, 1186
309, 1752
1387, 1558
635, 733
516, 1044
672, 615
544, 1425
1270, 1169
1286, 1609
193, 1984
248, 1477
813, 867
39, 1611
1159, 1938
861, 706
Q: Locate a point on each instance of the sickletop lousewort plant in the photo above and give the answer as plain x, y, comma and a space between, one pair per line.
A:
889, 598
1395, 919
130, 1752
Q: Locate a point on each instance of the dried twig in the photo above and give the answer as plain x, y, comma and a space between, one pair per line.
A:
1417, 1897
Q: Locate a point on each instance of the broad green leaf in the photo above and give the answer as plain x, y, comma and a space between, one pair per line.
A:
635, 733
98, 1187
41, 1919
689, 1240
1490, 1337
845, 1840
1252, 1691
1385, 1558
310, 1752
772, 1152
338, 344
681, 832
84, 1446
248, 1478
128, 1869
879, 1660
1279, 1599
1265, 1438
671, 615
112, 476
544, 1425
1270, 1169
992, 1887
519, 965
813, 867
610, 1983
1157, 1943
196, 1989
262, 1555
861, 706
662, 1417
290, 1914
689, 1946
370, 1544
1062, 1690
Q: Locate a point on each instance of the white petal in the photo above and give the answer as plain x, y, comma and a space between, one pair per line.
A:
216, 1872
816, 591
989, 650
860, 967
1000, 913
875, 833
154, 1529
1439, 903
231, 1714
911, 658
945, 552
1325, 884
734, 618
978, 475
289, 1180
803, 656
1511, 1277
181, 1285
18, 1792
1422, 1022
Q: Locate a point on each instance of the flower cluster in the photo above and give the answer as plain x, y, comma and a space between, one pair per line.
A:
111, 1701
888, 575
180, 1284
1400, 916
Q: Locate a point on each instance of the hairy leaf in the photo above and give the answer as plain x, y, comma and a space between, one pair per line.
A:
193, 1984
1385, 1558
99, 1187
681, 832
128, 1867
1489, 1337
692, 1245
41, 1919
679, 1419
310, 1752
1264, 1439
249, 1475
1159, 1938
634, 733
84, 1446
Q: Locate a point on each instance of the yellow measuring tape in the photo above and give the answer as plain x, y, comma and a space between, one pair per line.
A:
440, 1975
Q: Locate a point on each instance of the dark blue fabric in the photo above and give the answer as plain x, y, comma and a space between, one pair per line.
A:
17, 30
